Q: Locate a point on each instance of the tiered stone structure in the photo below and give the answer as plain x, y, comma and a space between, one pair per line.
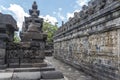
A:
91, 40
29, 54
30, 51
7, 27
32, 36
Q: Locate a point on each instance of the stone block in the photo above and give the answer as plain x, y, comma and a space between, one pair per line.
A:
6, 75
3, 66
51, 75
13, 65
13, 60
34, 69
2, 61
2, 53
2, 56
26, 76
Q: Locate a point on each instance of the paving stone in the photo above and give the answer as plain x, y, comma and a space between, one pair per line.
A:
26, 76
69, 72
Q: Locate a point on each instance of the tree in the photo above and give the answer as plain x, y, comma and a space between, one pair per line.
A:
50, 30
16, 37
47, 28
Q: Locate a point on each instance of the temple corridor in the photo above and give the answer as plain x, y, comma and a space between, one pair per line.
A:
85, 44
69, 72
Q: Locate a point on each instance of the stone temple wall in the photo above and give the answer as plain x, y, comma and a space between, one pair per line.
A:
17, 54
90, 41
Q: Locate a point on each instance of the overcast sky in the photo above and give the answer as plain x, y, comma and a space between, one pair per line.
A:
52, 10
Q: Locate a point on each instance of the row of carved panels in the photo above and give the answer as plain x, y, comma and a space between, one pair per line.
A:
23, 46
24, 54
90, 59
106, 43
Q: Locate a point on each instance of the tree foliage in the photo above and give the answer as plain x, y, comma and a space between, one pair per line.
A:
50, 30
47, 28
16, 37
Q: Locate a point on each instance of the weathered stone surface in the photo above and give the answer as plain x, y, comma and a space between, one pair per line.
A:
2, 53
92, 44
51, 75
6, 75
30, 52
26, 76
32, 46
7, 28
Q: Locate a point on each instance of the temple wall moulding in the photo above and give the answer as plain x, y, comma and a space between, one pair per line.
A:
91, 39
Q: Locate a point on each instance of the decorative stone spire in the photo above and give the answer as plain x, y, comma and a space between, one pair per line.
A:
34, 6
34, 12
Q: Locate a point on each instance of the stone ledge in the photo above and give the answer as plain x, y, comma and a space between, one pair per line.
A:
115, 6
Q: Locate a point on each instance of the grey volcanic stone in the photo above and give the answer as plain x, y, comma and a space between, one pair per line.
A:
51, 75
26, 76
92, 44
29, 53
6, 75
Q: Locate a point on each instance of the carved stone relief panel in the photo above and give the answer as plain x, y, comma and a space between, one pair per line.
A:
93, 42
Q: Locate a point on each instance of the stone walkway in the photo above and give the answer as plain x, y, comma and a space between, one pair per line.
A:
69, 72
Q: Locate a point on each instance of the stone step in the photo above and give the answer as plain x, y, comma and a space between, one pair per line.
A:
51, 75
35, 73
26, 76
33, 64
33, 69
25, 65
